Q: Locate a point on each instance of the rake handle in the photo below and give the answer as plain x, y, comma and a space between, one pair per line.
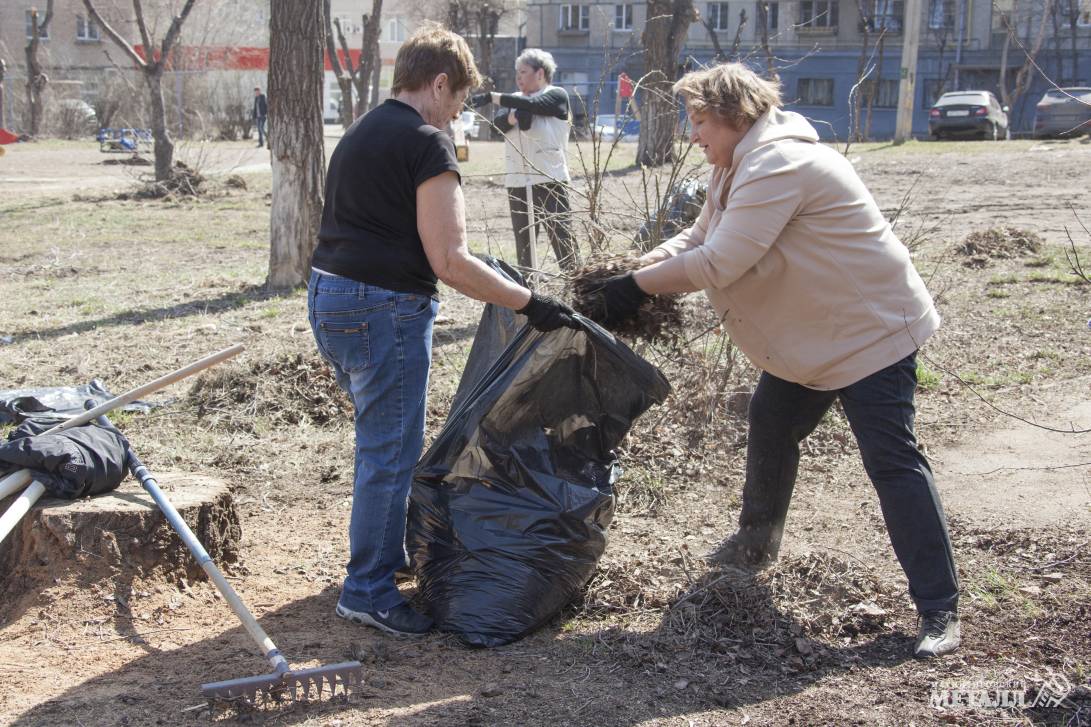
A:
268, 648
16, 480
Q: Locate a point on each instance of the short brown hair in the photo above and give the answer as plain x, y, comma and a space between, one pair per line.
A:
430, 51
731, 91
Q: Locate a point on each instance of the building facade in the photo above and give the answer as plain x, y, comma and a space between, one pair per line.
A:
816, 48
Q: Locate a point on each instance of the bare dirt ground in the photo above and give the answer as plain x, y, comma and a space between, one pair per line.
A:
124, 290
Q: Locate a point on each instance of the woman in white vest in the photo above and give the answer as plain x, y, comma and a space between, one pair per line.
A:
535, 125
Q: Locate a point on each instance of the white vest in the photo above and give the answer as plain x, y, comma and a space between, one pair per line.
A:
543, 145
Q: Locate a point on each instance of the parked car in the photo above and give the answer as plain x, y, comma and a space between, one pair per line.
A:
1063, 112
471, 124
73, 118
606, 128
968, 113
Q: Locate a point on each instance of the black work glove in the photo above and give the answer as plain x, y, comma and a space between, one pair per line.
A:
546, 314
617, 300
478, 100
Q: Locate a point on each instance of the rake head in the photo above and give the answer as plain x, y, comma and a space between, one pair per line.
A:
288, 686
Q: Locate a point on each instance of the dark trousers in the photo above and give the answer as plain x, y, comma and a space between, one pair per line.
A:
551, 210
260, 123
880, 411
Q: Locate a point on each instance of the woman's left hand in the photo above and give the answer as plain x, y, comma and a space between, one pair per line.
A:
618, 300
511, 117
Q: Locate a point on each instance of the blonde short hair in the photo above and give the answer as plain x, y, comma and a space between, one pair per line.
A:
430, 51
731, 91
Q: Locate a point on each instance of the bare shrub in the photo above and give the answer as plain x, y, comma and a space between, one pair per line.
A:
70, 121
232, 122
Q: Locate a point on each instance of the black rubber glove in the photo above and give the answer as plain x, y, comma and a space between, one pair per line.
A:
478, 100
618, 300
546, 314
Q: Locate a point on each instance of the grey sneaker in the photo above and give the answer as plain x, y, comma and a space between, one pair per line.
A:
736, 550
400, 620
940, 634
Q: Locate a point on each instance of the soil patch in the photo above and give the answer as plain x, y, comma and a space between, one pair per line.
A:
290, 389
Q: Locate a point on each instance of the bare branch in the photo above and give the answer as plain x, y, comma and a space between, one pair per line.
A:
145, 37
115, 36
175, 28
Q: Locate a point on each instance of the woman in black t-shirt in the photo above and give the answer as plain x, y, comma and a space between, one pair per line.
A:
392, 225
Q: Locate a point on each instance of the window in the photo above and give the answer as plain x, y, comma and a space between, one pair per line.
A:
575, 17
772, 16
887, 97
396, 29
1084, 18
887, 15
42, 32
717, 16
86, 29
941, 15
350, 25
818, 14
623, 17
815, 91
932, 89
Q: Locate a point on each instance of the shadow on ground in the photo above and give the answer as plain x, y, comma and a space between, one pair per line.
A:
609, 677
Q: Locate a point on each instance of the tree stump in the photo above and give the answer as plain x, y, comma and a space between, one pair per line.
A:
122, 533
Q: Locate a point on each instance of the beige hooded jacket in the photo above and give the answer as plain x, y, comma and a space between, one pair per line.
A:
800, 264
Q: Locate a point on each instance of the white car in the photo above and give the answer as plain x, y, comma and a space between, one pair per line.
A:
471, 124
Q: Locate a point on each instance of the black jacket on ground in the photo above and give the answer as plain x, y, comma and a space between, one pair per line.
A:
82, 461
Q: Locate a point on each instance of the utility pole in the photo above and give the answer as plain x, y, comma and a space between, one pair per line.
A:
903, 127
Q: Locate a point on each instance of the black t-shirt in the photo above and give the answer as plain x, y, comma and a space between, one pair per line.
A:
369, 221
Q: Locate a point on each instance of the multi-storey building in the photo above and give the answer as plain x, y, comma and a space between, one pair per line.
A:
816, 47
224, 49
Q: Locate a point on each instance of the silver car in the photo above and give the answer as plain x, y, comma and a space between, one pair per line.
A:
1063, 112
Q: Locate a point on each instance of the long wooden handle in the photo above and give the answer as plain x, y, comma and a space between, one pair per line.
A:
133, 394
16, 480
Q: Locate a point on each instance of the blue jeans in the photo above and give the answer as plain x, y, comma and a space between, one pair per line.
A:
379, 343
260, 123
880, 412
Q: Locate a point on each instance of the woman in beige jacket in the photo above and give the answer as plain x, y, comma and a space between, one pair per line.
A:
815, 288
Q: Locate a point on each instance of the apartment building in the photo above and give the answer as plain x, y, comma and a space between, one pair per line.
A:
816, 47
221, 55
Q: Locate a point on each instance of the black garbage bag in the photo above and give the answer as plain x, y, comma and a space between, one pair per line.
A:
687, 198
81, 461
63, 401
510, 505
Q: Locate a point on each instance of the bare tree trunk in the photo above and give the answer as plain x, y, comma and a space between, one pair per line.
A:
164, 147
880, 47
376, 77
3, 68
664, 35
1073, 22
763, 32
152, 67
295, 138
738, 35
344, 80
37, 80
369, 55
1022, 77
488, 21
719, 56
860, 89
1058, 63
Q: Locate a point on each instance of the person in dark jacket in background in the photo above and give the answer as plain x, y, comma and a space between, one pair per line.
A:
393, 222
259, 114
535, 125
